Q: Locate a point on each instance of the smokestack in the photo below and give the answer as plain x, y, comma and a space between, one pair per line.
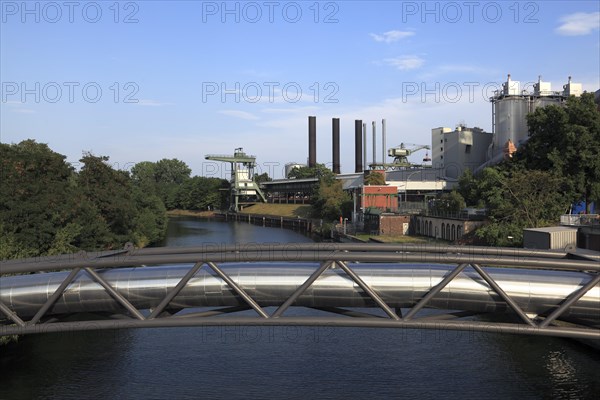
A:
383, 141
364, 130
374, 144
335, 127
358, 162
312, 141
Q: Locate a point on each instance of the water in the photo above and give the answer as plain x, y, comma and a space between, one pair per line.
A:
277, 362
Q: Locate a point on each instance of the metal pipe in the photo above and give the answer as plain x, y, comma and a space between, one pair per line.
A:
87, 258
469, 326
269, 284
295, 253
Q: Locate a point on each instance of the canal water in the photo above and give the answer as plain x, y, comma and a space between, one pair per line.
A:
294, 363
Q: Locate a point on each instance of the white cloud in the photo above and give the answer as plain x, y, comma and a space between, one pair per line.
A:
391, 36
404, 63
579, 24
240, 114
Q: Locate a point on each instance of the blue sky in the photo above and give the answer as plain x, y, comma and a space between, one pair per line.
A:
146, 80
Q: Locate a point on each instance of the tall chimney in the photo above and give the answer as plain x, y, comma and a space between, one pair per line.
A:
383, 141
364, 130
358, 162
312, 141
335, 126
374, 144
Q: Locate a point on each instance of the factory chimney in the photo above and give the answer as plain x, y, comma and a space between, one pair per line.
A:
358, 161
364, 129
383, 141
312, 142
335, 127
374, 144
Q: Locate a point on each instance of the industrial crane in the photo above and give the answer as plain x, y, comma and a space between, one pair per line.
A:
242, 182
401, 154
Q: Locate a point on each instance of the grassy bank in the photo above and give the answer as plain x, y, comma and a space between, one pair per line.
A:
279, 210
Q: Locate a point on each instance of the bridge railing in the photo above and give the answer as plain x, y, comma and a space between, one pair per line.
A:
325, 256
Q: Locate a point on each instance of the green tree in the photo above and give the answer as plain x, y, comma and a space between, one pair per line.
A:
151, 218
35, 197
330, 201
319, 171
264, 177
375, 178
566, 140
144, 176
162, 178
519, 199
467, 187
449, 203
200, 193
111, 192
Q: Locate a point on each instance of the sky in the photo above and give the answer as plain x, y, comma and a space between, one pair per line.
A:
147, 80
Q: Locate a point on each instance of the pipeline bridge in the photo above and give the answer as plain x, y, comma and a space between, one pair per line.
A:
500, 290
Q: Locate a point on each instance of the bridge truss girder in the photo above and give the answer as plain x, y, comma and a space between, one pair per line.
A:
328, 256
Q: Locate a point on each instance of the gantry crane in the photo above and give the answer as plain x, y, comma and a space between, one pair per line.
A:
242, 182
401, 154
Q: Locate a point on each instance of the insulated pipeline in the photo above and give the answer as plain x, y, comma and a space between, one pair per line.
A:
270, 284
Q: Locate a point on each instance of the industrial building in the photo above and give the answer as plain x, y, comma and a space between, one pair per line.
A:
510, 106
453, 151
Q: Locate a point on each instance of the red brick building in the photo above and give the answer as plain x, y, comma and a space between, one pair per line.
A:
384, 198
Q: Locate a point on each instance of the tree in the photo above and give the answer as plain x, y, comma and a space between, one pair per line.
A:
162, 178
467, 187
319, 171
449, 203
151, 218
518, 199
111, 192
566, 140
330, 200
264, 177
200, 193
35, 197
375, 178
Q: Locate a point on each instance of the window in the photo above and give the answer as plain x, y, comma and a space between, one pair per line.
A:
468, 149
441, 149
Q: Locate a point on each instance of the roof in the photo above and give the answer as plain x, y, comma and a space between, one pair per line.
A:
550, 229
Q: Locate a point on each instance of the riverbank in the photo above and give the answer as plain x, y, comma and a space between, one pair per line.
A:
191, 213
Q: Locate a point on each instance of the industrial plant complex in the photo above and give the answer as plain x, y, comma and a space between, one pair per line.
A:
400, 206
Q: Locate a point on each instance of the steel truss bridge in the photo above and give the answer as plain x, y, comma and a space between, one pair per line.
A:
538, 292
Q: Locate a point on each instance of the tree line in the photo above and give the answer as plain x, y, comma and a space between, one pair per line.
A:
47, 207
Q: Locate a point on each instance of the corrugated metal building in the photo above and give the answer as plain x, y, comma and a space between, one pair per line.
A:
550, 238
